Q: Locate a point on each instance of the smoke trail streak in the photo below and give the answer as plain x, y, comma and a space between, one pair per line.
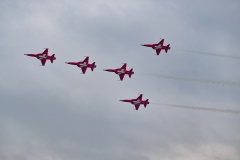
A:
211, 54
196, 80
200, 108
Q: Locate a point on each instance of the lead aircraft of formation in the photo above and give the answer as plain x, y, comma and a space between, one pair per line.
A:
43, 57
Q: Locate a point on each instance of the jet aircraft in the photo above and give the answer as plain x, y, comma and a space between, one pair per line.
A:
121, 71
83, 65
137, 102
43, 57
158, 47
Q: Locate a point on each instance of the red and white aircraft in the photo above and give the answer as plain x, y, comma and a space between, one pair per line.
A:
83, 65
158, 47
43, 57
121, 71
137, 102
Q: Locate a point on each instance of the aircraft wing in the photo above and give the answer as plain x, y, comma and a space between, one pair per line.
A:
161, 42
121, 76
137, 106
86, 60
43, 61
140, 97
84, 69
124, 66
158, 51
45, 51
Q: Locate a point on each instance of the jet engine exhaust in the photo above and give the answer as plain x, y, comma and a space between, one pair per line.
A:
196, 80
201, 108
211, 54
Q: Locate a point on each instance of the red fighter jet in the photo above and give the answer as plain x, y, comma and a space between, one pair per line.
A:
121, 71
137, 102
158, 47
83, 65
43, 57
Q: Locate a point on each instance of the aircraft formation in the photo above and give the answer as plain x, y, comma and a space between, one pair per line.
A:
121, 72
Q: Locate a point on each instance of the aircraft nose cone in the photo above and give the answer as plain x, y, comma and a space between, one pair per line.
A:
25, 54
66, 62
142, 44
104, 69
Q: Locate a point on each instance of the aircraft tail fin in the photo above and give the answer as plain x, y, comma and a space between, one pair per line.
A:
146, 103
167, 48
52, 58
130, 73
93, 66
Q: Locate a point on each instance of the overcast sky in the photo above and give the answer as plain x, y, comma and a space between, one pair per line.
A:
56, 113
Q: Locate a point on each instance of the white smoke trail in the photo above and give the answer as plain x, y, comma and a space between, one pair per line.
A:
200, 108
211, 54
196, 80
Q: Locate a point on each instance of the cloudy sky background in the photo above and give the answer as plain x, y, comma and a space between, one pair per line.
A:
55, 113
